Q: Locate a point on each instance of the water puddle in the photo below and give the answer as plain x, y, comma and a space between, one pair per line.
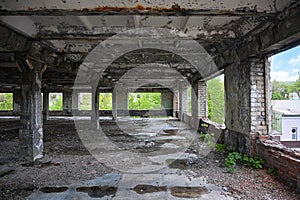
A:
143, 189
98, 191
178, 164
188, 192
170, 131
53, 189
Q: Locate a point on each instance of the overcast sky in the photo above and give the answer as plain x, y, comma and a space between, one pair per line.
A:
286, 65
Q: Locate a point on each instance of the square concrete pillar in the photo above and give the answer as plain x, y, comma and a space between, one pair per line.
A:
114, 104
183, 102
167, 99
67, 102
46, 105
247, 102
122, 100
176, 104
95, 103
199, 102
17, 102
75, 101
31, 132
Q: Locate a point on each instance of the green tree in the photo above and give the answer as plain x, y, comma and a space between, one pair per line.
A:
277, 96
144, 101
295, 87
215, 91
55, 101
279, 90
105, 101
6, 101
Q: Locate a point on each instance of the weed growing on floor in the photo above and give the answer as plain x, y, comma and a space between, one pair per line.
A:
209, 139
272, 171
221, 148
234, 157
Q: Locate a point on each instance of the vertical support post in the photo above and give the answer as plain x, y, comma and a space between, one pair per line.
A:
75, 102
199, 102
247, 103
67, 102
167, 101
260, 96
175, 104
46, 105
95, 105
17, 102
114, 104
31, 132
183, 102
121, 101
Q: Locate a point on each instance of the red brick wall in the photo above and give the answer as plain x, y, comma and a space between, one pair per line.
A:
286, 161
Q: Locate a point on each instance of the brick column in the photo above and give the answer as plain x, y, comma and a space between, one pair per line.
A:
199, 102
260, 96
247, 103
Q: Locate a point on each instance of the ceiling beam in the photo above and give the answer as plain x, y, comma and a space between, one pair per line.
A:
12, 40
158, 7
274, 37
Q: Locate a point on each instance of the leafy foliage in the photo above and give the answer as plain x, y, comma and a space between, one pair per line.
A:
281, 90
220, 148
272, 171
105, 101
209, 139
234, 157
140, 101
215, 91
6, 101
55, 101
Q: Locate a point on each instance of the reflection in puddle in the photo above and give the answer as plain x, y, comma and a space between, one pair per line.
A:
143, 189
188, 192
98, 191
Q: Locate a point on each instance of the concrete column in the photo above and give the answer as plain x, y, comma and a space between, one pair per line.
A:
247, 103
199, 102
175, 104
31, 132
75, 102
46, 105
122, 101
114, 104
183, 102
167, 99
67, 102
17, 102
95, 104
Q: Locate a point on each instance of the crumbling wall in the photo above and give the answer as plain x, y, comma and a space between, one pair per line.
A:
286, 161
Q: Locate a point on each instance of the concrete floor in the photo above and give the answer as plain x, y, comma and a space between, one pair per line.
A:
148, 159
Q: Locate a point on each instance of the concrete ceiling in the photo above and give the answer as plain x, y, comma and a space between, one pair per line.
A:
67, 30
